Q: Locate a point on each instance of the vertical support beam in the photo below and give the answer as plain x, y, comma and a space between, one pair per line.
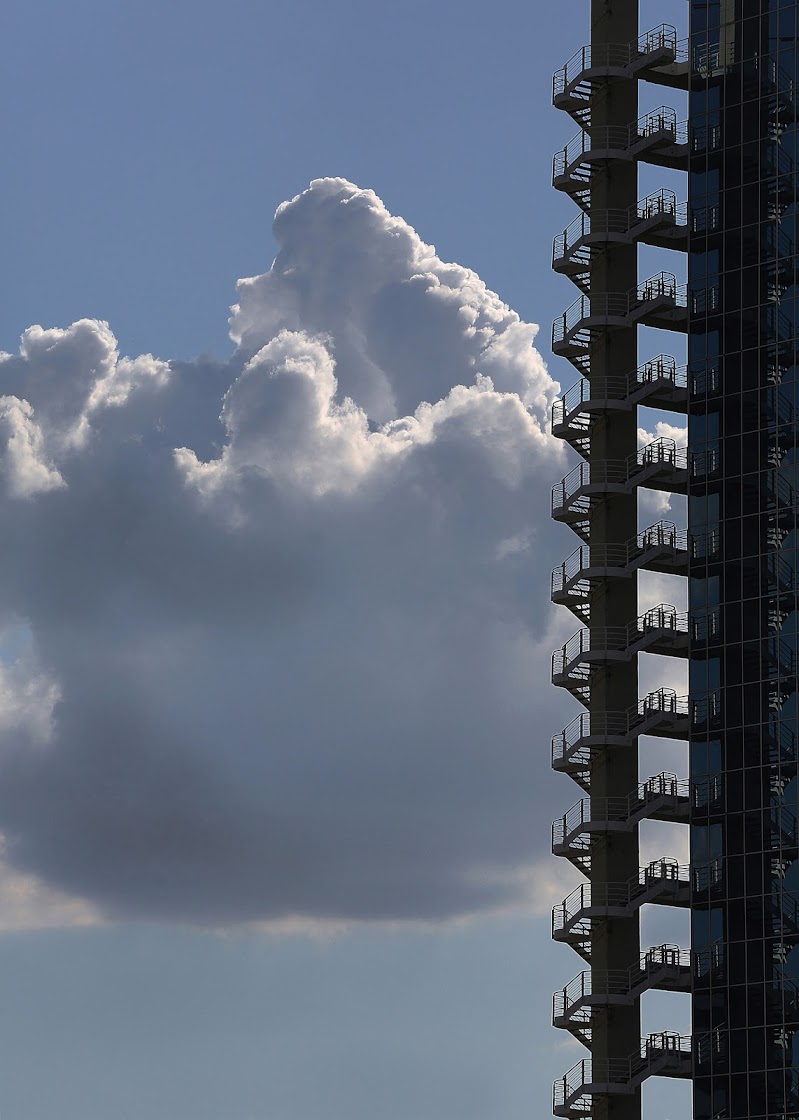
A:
616, 942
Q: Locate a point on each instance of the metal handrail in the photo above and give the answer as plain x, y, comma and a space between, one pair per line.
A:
620, 1071
781, 657
619, 982
779, 323
778, 488
778, 409
706, 876
664, 36
777, 241
663, 701
782, 743
778, 161
659, 452
619, 638
663, 534
663, 285
659, 203
619, 895
778, 75
784, 826
618, 724
619, 809
661, 368
620, 137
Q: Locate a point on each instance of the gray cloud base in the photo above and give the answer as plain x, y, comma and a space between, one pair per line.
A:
286, 661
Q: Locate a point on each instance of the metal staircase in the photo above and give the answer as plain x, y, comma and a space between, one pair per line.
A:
659, 630
663, 797
659, 465
656, 138
663, 1054
664, 881
662, 714
663, 967
657, 220
657, 56
658, 302
658, 383
659, 548
597, 581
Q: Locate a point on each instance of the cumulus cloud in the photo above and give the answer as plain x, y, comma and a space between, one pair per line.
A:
406, 326
24, 465
286, 644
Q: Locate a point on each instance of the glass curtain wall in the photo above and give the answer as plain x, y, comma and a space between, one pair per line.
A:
743, 566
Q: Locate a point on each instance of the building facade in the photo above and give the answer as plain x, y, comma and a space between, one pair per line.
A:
738, 796
742, 504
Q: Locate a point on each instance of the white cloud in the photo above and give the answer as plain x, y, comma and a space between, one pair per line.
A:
292, 640
406, 325
71, 374
664, 429
24, 463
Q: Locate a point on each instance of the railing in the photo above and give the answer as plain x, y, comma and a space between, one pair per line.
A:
779, 491
706, 791
663, 285
620, 896
619, 639
777, 75
614, 472
606, 304
663, 37
664, 534
778, 409
661, 452
779, 325
707, 57
618, 724
705, 377
784, 911
706, 709
705, 218
705, 301
780, 659
777, 161
662, 203
619, 810
660, 1045
707, 876
706, 625
585, 726
706, 138
777, 242
705, 463
620, 982
659, 123
663, 701
784, 827
781, 574
706, 543
781, 743
624, 1073
661, 368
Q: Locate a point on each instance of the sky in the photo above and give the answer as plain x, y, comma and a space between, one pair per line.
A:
274, 617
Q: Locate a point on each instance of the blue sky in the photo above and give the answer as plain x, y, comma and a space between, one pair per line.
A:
152, 142
148, 148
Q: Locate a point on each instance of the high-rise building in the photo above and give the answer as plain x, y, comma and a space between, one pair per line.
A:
737, 548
